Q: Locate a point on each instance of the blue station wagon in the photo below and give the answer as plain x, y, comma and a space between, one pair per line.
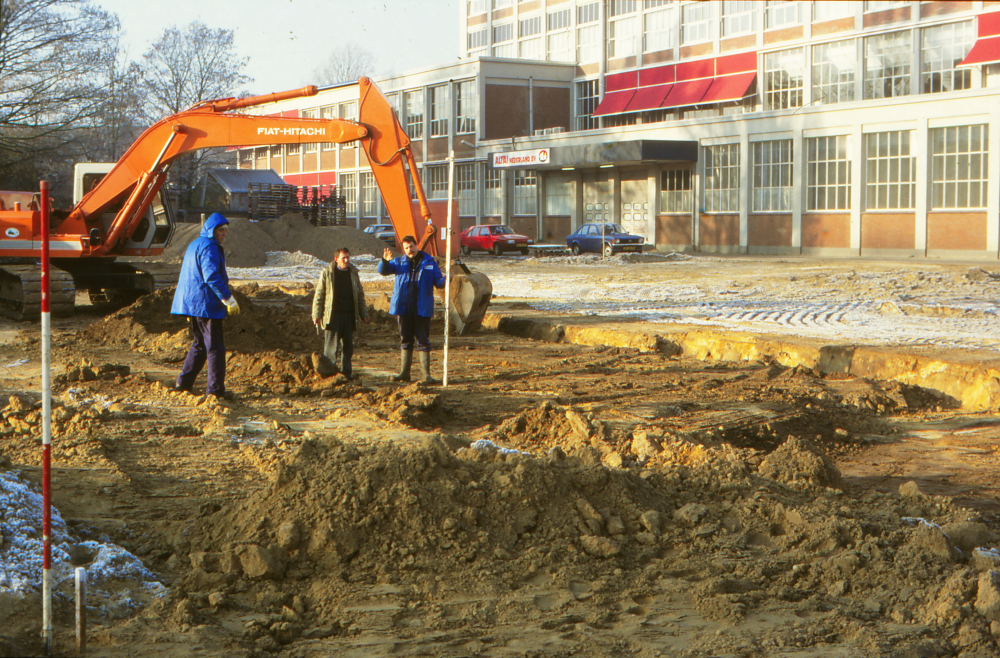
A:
607, 239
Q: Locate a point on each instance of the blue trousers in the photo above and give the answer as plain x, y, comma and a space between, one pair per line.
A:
413, 327
207, 346
340, 331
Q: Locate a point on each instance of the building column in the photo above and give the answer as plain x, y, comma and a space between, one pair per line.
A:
857, 185
922, 202
652, 201
616, 195
576, 220
798, 181
993, 204
506, 195
745, 193
539, 205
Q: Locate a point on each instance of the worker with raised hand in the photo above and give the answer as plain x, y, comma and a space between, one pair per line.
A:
203, 295
417, 274
338, 304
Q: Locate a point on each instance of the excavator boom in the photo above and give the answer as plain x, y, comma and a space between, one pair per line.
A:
84, 243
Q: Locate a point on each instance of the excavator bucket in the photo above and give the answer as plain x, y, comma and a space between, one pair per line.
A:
470, 297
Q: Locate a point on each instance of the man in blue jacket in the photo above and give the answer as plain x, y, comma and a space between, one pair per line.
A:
417, 274
203, 296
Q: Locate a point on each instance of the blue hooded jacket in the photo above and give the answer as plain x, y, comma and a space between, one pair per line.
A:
203, 282
428, 277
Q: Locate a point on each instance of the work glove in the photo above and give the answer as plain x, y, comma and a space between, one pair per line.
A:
232, 308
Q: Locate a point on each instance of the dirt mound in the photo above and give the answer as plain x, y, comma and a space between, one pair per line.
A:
148, 325
248, 241
490, 521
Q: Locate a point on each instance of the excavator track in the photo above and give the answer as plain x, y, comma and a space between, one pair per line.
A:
21, 292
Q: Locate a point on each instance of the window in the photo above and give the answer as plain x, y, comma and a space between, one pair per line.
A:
369, 195
942, 48
531, 49
277, 151
393, 99
887, 65
623, 37
559, 20
738, 17
415, 113
465, 188
675, 191
833, 71
559, 195
873, 5
619, 7
586, 103
260, 153
890, 171
772, 175
478, 41
348, 185
828, 173
615, 120
291, 149
588, 13
503, 40
828, 11
780, 14
500, 4
439, 110
465, 107
959, 170
477, 7
722, 178
246, 158
436, 181
492, 194
311, 114
588, 44
525, 199
529, 27
783, 75
560, 47
658, 30
696, 22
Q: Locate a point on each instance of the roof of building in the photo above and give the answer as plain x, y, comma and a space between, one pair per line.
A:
237, 180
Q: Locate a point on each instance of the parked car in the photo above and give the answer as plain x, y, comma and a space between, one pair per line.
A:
495, 238
384, 232
607, 239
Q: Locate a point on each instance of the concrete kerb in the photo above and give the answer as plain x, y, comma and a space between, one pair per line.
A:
975, 386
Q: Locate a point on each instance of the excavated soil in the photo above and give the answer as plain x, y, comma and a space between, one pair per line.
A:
554, 500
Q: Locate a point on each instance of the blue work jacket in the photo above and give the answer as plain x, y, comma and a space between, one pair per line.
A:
203, 282
428, 277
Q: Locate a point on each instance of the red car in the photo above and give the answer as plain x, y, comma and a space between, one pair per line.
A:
495, 238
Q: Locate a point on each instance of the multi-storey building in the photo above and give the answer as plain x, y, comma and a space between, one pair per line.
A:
826, 128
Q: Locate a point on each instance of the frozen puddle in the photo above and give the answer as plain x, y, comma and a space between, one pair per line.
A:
117, 582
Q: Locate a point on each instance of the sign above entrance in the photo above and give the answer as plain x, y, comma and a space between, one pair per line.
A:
521, 158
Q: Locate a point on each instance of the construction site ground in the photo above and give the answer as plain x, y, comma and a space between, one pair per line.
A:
654, 455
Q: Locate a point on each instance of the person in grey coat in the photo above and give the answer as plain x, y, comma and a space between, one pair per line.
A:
338, 305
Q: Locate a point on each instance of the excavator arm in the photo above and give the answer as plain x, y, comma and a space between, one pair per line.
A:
138, 175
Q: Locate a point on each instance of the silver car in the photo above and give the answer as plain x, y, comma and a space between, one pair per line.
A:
384, 232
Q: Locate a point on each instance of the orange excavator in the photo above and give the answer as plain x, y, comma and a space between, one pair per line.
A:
121, 212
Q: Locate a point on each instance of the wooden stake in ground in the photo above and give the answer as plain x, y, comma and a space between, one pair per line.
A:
81, 611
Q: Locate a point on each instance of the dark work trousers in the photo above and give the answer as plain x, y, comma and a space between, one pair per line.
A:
208, 345
412, 326
340, 331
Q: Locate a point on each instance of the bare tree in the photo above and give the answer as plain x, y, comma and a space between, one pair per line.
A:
345, 64
48, 87
187, 66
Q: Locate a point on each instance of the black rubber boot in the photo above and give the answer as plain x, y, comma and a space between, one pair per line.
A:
405, 360
425, 367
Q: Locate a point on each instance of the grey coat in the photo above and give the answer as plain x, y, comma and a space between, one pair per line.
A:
322, 308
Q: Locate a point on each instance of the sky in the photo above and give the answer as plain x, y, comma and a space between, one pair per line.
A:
286, 40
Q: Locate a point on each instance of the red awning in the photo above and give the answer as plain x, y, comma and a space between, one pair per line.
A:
614, 102
729, 88
986, 51
687, 93
648, 98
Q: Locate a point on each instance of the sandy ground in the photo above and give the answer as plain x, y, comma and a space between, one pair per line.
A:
554, 500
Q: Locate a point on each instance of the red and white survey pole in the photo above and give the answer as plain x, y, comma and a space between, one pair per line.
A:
46, 432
